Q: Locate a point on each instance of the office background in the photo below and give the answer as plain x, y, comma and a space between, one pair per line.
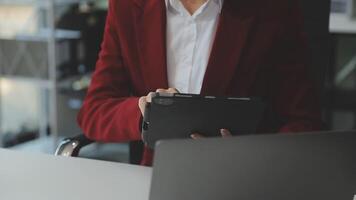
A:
48, 51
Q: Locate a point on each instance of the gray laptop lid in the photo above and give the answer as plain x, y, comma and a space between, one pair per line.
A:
267, 167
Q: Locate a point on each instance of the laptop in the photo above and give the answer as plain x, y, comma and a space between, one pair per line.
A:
318, 166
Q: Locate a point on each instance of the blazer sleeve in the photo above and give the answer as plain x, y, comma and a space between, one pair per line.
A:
109, 113
292, 90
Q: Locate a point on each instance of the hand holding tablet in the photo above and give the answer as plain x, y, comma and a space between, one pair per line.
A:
174, 116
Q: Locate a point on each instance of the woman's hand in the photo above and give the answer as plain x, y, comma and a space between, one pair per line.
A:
224, 133
147, 99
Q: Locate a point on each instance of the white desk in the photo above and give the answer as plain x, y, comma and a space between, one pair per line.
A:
26, 176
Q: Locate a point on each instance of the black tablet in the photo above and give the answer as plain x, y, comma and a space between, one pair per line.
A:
174, 116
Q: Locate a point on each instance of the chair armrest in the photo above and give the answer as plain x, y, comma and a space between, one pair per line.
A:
70, 147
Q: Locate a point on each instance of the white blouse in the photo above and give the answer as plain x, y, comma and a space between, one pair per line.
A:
189, 42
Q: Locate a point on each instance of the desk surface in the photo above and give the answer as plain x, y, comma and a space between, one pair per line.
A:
341, 23
43, 177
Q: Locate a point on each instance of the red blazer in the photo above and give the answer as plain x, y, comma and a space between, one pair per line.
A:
259, 51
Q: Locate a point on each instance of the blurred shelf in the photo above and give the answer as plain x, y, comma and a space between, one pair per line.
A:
75, 84
25, 55
42, 83
38, 55
342, 24
42, 2
43, 35
18, 2
338, 6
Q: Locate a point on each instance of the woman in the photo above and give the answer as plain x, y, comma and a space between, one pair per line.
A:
210, 47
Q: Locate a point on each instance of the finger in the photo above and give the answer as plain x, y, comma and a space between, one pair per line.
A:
149, 97
196, 136
225, 133
172, 90
142, 104
142, 100
161, 90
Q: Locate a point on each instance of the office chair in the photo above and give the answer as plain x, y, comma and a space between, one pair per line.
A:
316, 16
71, 147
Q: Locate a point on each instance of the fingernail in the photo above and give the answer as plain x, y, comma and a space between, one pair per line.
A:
225, 132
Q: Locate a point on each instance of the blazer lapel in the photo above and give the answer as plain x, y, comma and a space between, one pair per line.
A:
151, 35
231, 37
